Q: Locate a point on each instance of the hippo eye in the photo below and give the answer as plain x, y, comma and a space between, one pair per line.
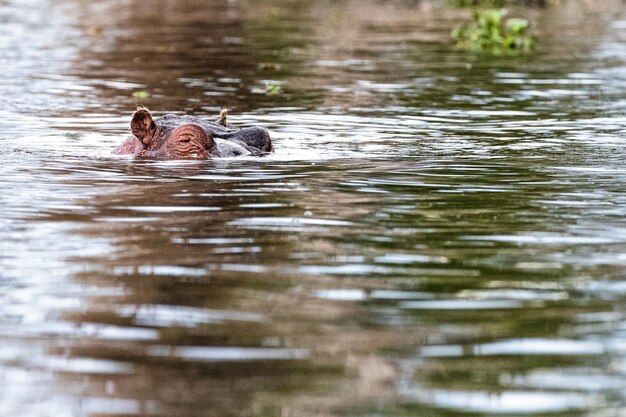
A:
188, 133
189, 141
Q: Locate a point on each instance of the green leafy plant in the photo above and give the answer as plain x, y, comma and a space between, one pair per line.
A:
488, 32
474, 3
273, 89
141, 95
502, 3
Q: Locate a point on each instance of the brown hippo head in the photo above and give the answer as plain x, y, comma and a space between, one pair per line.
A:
188, 137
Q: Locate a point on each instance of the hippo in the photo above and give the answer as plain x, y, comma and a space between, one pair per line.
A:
187, 137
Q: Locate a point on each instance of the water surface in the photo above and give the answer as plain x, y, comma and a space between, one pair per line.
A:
437, 234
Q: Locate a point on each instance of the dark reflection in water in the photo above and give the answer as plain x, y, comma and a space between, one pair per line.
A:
438, 234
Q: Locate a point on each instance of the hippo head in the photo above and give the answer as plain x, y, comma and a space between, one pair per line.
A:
187, 137
185, 141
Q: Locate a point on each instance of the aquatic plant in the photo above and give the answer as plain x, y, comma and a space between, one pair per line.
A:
487, 32
273, 89
141, 95
501, 3
475, 3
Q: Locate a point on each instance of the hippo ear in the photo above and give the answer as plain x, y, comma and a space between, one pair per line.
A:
142, 125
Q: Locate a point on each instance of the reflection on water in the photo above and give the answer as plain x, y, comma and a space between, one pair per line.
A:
437, 233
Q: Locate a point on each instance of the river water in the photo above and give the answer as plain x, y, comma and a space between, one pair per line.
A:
437, 234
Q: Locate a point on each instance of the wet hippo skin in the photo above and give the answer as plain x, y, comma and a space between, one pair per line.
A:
188, 137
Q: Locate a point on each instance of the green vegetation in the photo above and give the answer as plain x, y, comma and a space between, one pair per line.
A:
477, 3
502, 3
141, 95
487, 32
273, 89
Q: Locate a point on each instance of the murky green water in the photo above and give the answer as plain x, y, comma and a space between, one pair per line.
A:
437, 234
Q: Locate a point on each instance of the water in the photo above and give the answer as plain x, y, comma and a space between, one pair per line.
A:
437, 234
